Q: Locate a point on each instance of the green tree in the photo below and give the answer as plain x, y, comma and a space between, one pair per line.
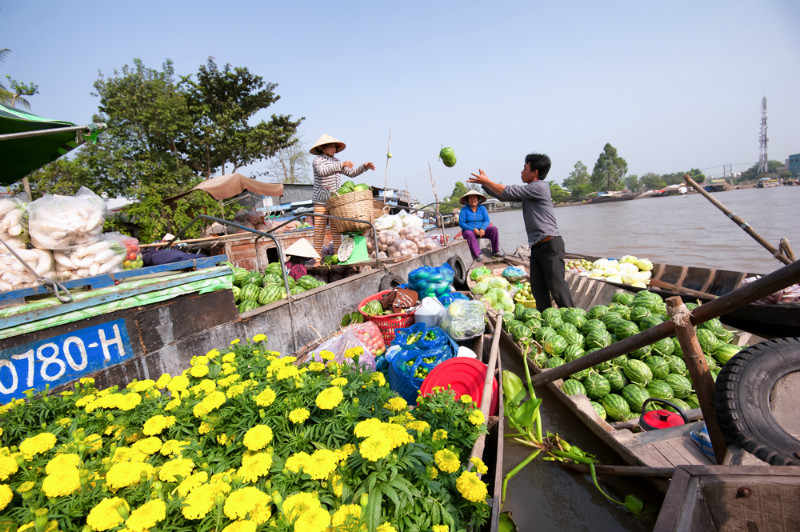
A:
696, 174
632, 183
579, 181
458, 190
290, 165
609, 170
18, 89
222, 103
675, 178
652, 181
558, 194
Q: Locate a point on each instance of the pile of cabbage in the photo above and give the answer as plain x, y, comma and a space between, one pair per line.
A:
496, 291
626, 270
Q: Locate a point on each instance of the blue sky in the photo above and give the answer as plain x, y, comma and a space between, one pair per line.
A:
672, 85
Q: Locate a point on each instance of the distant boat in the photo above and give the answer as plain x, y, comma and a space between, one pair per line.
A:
613, 195
717, 185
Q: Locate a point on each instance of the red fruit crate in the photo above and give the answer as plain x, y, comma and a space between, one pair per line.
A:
388, 323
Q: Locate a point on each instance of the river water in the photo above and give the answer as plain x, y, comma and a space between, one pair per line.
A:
684, 230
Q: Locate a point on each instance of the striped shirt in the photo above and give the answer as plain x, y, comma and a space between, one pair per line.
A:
328, 173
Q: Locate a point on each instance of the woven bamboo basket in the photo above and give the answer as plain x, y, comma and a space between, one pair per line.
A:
357, 205
378, 209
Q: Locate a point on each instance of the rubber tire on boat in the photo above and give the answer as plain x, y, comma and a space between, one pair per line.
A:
742, 400
460, 277
389, 281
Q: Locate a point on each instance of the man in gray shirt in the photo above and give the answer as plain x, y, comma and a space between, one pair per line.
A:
547, 246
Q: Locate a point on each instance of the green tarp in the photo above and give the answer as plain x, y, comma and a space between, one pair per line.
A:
21, 156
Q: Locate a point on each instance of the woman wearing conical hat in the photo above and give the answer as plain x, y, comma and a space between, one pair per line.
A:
328, 172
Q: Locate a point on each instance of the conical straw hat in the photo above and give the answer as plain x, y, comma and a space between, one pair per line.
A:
301, 248
326, 139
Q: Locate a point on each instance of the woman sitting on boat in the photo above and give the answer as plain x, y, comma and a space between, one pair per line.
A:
474, 222
296, 256
328, 171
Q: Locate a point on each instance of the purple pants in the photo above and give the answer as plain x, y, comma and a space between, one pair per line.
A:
472, 240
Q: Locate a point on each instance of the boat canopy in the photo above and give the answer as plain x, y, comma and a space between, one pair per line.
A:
28, 141
230, 185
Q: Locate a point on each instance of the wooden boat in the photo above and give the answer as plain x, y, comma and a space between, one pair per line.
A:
731, 498
665, 448
614, 195
695, 283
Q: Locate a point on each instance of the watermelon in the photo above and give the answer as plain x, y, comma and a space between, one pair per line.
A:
610, 319
619, 361
540, 360
575, 338
253, 278
714, 324
641, 353
272, 278
676, 365
625, 329
598, 409
297, 289
646, 299
681, 386
531, 314
624, 311
635, 396
519, 309
663, 347
637, 372
573, 387
448, 157
519, 332
239, 275
724, 336
555, 345
508, 323
249, 292
308, 282
582, 374
623, 298
724, 352
544, 333
572, 352
533, 324
597, 339
247, 304
235, 289
551, 313
712, 364
616, 407
707, 339
566, 329
692, 401
596, 386
660, 390
574, 316
639, 313
658, 366
592, 325
271, 293
616, 379
649, 321
597, 311
683, 405
553, 321
554, 362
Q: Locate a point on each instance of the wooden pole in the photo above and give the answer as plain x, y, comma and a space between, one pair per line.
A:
486, 396
698, 371
386, 174
777, 280
738, 220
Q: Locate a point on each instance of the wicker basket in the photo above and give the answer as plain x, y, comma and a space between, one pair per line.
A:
357, 205
378, 209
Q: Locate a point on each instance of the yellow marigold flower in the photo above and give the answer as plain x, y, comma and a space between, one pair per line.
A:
141, 386
126, 454
299, 503
396, 404
466, 399
222, 439
63, 482
199, 501
205, 428
240, 526
178, 384
379, 379
439, 434
254, 466
61, 461
148, 446
191, 482
248, 502
8, 466
235, 391
419, 426
321, 464
5, 496
87, 381
64, 421
299, 415
348, 515
129, 401
178, 467
146, 516
316, 366
480, 467
124, 474
214, 353
199, 371
353, 352
326, 355
163, 380
386, 527
156, 424
337, 485
433, 473
85, 400
471, 487
228, 357
447, 461
38, 444
258, 437
440, 528
396, 435
476, 417
172, 405
173, 447
287, 372
296, 462
374, 448
314, 520
368, 427
329, 398
339, 381
259, 337
235, 341
106, 515
199, 360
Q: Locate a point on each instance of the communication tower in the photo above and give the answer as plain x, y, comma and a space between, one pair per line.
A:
763, 161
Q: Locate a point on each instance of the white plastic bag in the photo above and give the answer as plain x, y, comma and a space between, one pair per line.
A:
61, 222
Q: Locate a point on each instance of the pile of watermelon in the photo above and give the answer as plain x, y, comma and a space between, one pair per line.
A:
618, 388
253, 289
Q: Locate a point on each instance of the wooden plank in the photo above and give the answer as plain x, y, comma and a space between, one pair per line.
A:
673, 501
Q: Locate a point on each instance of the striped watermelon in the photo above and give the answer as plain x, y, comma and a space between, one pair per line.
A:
637, 372
683, 405
519, 309
596, 312
573, 387
272, 278
235, 289
658, 365
540, 360
707, 339
543, 333
676, 365
660, 390
247, 304
271, 293
239, 275
681, 386
253, 278
616, 407
663, 347
572, 352
635, 395
555, 345
596, 386
598, 409
249, 292
616, 379
554, 362
692, 401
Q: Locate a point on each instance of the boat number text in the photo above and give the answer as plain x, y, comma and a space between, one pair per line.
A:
62, 359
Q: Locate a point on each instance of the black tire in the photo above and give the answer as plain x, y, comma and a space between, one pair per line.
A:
460, 277
742, 396
389, 281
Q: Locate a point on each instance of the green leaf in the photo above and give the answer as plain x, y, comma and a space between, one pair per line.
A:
634, 504
506, 523
524, 414
513, 388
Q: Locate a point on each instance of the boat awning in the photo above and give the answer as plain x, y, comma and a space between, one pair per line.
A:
228, 186
28, 141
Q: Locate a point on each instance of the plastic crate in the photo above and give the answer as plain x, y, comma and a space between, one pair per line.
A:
389, 322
